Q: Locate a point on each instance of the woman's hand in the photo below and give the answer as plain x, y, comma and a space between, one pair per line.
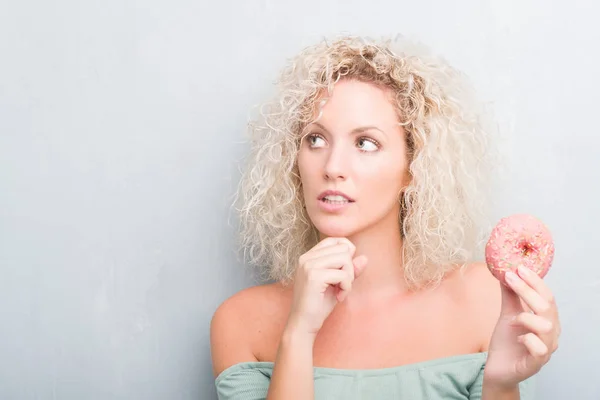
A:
527, 331
324, 276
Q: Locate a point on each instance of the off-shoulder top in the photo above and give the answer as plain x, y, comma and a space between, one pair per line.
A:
449, 378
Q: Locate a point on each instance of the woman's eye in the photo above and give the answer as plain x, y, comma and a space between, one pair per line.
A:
315, 140
365, 144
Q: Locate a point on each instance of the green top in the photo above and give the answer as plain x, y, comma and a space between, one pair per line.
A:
448, 378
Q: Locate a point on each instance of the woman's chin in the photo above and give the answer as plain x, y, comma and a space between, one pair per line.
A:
335, 230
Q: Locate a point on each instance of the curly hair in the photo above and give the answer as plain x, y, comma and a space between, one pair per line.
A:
443, 209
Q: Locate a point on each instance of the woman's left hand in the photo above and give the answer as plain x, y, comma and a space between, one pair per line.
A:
527, 331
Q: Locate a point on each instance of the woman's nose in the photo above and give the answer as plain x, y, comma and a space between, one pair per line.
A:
335, 165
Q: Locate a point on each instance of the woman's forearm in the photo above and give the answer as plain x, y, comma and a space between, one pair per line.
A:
492, 392
292, 377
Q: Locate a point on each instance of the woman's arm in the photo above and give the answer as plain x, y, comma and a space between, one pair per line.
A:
293, 372
230, 340
490, 392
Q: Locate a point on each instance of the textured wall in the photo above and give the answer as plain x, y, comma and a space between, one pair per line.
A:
121, 123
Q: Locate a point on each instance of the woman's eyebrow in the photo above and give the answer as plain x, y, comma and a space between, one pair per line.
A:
360, 129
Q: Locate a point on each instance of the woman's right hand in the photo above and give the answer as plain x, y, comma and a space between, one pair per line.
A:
324, 276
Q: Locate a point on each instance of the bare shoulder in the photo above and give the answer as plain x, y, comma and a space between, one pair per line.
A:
483, 299
239, 321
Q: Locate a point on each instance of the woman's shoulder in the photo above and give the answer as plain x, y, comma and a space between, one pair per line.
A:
239, 323
253, 301
482, 298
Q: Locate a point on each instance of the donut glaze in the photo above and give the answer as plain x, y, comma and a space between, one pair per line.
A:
519, 239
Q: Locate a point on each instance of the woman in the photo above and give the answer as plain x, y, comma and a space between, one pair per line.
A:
364, 199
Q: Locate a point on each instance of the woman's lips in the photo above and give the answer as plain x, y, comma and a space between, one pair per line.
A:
335, 195
334, 206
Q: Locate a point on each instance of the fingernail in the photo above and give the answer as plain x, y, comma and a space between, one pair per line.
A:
523, 270
511, 277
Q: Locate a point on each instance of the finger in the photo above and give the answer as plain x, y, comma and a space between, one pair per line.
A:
534, 323
330, 241
511, 302
534, 345
324, 251
532, 298
348, 266
340, 261
336, 277
523, 304
342, 294
546, 330
360, 263
330, 277
536, 283
333, 277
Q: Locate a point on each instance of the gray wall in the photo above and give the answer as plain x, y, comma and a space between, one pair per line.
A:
121, 123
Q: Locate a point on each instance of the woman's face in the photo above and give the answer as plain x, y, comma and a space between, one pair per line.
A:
353, 161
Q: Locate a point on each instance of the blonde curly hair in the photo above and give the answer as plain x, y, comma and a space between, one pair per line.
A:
444, 206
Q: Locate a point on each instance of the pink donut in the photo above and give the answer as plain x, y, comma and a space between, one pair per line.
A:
519, 240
